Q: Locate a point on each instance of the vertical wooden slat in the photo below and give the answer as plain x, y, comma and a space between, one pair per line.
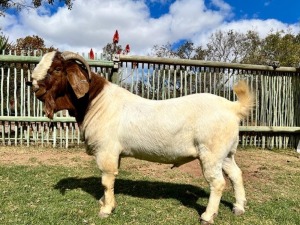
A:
191, 75
2, 92
22, 93
214, 82
132, 80
210, 82
163, 90
200, 80
28, 95
54, 135
196, 80
60, 134
175, 82
8, 133
181, 83
7, 92
15, 92
158, 82
143, 80
67, 136
28, 135
148, 80
185, 82
169, 84
136, 80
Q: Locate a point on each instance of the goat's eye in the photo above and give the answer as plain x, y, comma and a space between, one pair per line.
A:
57, 69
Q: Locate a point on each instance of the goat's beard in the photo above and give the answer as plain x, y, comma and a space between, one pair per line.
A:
49, 106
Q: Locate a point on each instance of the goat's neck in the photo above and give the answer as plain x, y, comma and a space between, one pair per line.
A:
79, 107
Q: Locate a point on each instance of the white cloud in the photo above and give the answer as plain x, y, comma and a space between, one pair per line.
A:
262, 27
91, 24
222, 5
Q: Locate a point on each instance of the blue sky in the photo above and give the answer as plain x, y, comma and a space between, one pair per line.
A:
286, 11
145, 23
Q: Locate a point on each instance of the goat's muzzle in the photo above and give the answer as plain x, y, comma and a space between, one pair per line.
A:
39, 92
28, 83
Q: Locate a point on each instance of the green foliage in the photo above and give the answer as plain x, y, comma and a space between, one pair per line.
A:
3, 43
283, 47
20, 5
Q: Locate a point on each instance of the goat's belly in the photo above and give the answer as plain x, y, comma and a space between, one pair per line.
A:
166, 155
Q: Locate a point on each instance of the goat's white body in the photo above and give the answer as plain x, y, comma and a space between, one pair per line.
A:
167, 131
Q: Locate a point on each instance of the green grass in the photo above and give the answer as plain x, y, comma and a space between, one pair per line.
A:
53, 194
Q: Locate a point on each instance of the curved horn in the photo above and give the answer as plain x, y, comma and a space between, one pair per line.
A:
67, 55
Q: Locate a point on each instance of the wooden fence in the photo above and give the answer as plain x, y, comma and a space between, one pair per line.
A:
273, 122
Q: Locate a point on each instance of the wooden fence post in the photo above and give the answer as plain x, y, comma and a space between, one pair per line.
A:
114, 77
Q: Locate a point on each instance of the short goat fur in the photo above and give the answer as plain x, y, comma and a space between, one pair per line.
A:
116, 123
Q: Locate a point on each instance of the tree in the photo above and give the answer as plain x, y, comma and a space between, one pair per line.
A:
21, 4
200, 53
250, 49
110, 49
29, 45
232, 46
113, 48
3, 42
164, 51
186, 50
282, 47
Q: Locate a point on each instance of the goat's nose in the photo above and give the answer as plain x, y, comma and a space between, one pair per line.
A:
29, 83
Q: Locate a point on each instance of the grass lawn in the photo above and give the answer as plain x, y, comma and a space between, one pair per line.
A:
58, 186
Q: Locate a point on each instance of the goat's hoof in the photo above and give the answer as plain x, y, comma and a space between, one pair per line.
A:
101, 201
103, 215
207, 222
238, 211
204, 222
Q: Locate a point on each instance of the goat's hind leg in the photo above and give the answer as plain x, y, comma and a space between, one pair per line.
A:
235, 175
212, 170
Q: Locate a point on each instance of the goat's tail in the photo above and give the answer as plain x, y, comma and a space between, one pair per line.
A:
245, 98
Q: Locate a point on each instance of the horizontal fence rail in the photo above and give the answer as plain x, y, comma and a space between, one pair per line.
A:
274, 122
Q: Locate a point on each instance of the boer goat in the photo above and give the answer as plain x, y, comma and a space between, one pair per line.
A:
116, 123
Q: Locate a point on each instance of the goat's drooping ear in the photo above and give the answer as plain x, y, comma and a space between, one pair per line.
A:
77, 80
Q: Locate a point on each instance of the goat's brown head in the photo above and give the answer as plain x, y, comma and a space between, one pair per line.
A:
54, 77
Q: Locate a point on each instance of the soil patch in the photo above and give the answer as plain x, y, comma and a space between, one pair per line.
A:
255, 163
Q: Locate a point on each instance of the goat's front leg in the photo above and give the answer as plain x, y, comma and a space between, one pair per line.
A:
107, 202
108, 164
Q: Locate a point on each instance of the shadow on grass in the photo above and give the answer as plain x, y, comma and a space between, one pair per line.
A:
186, 194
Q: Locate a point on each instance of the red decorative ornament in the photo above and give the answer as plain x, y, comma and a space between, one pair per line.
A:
127, 49
91, 54
116, 37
